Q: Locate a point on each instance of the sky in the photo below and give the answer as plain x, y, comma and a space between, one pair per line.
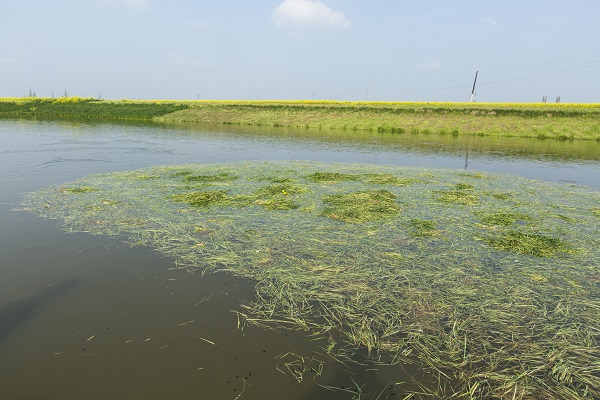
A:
376, 50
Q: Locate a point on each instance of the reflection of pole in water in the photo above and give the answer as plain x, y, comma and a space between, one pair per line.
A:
467, 149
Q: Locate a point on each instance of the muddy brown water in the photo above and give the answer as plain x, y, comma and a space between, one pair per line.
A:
85, 317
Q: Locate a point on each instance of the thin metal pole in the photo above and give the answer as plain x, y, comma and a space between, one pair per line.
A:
473, 91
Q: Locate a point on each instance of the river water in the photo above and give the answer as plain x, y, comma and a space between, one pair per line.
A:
85, 317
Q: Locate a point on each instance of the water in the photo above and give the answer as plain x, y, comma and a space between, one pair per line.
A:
89, 317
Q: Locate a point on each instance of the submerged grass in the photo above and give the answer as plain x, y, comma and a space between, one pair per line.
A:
460, 193
504, 218
423, 228
332, 177
529, 243
363, 206
497, 299
203, 199
387, 179
224, 177
80, 189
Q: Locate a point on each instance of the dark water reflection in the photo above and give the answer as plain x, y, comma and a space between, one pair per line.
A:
87, 317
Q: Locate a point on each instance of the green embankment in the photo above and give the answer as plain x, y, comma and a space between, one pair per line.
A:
536, 120
88, 108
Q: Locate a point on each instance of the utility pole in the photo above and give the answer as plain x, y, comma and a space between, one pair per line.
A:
369, 84
473, 91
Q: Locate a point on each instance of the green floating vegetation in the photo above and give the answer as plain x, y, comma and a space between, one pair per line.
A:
502, 196
281, 189
489, 282
460, 193
272, 197
387, 179
363, 206
423, 228
203, 199
224, 177
529, 243
332, 177
80, 189
475, 175
143, 177
505, 218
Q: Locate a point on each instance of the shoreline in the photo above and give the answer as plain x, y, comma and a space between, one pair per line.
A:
566, 121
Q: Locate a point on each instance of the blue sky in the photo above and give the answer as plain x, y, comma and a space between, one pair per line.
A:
302, 49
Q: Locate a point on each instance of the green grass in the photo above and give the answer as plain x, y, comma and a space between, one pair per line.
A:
460, 193
387, 179
332, 177
203, 199
545, 121
423, 228
272, 197
363, 206
529, 243
81, 189
504, 218
208, 178
88, 108
497, 299
281, 189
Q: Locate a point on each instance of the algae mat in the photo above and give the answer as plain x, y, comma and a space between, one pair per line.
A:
491, 282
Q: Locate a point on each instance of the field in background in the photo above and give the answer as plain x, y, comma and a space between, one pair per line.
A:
566, 121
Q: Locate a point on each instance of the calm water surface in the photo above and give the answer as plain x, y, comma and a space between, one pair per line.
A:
90, 318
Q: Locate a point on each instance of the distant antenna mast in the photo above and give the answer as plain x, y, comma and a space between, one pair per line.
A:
473, 91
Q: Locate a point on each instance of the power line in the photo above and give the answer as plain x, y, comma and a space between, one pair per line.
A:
423, 86
545, 63
571, 68
529, 51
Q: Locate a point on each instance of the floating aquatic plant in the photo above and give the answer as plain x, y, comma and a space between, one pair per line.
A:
203, 199
529, 243
362, 206
488, 281
78, 189
331, 177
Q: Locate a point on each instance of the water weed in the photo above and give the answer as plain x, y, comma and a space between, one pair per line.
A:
332, 177
473, 280
423, 228
203, 199
529, 243
363, 206
80, 189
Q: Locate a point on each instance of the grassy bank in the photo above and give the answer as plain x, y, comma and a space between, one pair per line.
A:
536, 120
87, 108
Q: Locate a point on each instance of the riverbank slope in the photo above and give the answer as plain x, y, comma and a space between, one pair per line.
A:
536, 120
